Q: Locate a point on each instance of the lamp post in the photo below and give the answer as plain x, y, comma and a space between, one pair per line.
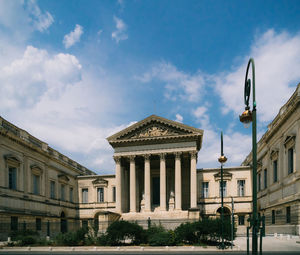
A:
222, 159
246, 118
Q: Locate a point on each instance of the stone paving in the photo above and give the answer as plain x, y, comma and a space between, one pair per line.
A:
270, 243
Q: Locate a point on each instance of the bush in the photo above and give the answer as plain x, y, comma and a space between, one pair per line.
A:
120, 231
71, 238
186, 233
154, 230
24, 237
162, 239
17, 235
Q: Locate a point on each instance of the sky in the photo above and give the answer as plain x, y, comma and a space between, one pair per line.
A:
73, 73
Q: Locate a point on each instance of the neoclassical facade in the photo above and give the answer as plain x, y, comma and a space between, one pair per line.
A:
155, 179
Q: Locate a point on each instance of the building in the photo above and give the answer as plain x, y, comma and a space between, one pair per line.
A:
38, 185
155, 179
278, 173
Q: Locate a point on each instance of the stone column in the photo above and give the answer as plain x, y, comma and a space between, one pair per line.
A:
178, 180
193, 179
147, 184
132, 184
163, 188
118, 185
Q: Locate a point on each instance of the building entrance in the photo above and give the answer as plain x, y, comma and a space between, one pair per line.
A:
156, 191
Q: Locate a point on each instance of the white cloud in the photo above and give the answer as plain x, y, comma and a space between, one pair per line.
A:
26, 79
73, 37
277, 63
21, 18
176, 82
121, 33
53, 98
179, 118
41, 21
202, 116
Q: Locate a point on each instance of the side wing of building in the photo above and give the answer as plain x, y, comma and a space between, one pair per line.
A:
278, 173
38, 185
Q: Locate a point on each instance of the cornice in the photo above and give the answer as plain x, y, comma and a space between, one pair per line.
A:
28, 141
284, 113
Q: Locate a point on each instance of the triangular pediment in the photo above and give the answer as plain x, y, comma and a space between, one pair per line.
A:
152, 128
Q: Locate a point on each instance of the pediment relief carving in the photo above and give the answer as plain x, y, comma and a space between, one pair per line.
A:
226, 176
154, 131
100, 182
154, 127
63, 178
12, 160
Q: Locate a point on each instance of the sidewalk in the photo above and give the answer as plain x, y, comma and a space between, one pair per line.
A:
270, 243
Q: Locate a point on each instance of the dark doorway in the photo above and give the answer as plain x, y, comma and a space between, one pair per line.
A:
156, 190
63, 223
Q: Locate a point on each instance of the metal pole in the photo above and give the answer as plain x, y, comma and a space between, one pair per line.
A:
232, 220
222, 196
254, 160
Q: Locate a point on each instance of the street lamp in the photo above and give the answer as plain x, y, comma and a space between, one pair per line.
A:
222, 159
246, 118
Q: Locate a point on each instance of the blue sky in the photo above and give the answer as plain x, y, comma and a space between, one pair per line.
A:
74, 72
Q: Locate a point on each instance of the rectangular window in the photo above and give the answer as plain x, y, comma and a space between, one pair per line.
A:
85, 224
85, 193
241, 220
259, 183
71, 194
224, 189
273, 216
265, 178
36, 184
62, 192
205, 189
114, 194
100, 195
241, 188
288, 214
12, 178
290, 160
275, 171
52, 189
14, 223
38, 224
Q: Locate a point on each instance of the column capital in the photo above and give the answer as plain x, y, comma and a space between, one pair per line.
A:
194, 154
132, 158
146, 156
117, 159
178, 154
162, 156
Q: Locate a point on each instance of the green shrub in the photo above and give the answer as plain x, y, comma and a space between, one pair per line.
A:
154, 230
162, 239
186, 233
17, 235
24, 237
102, 240
71, 238
119, 231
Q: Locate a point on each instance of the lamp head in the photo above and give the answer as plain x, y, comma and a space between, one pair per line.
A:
222, 159
246, 117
